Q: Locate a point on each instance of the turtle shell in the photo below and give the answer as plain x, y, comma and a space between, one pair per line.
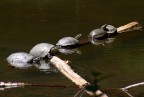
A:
20, 60
109, 29
67, 41
97, 34
41, 50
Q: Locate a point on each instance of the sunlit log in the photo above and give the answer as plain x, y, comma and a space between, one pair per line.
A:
66, 70
129, 27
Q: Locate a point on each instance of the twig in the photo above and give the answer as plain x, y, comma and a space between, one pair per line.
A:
125, 89
21, 84
82, 93
133, 85
78, 92
9, 84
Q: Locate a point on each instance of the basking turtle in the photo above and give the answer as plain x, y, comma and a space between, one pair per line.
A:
97, 36
67, 45
111, 30
20, 60
24, 60
41, 50
69, 42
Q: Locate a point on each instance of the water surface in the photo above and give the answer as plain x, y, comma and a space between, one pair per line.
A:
25, 23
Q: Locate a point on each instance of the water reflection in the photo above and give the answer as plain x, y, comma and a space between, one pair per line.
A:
69, 51
25, 23
102, 42
46, 67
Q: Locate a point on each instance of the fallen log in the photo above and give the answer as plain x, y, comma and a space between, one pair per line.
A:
66, 70
129, 27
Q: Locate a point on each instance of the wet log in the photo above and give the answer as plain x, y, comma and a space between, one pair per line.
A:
66, 70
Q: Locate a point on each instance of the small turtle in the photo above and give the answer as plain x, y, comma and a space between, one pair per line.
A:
67, 45
69, 42
97, 36
111, 30
41, 50
20, 60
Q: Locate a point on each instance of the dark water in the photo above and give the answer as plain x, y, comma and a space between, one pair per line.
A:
25, 23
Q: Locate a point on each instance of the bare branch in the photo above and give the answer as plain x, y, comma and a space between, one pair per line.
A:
133, 85
125, 91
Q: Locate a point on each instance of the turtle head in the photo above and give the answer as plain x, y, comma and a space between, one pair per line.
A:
55, 50
35, 60
104, 27
111, 30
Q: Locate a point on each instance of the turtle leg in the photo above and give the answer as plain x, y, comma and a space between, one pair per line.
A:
36, 61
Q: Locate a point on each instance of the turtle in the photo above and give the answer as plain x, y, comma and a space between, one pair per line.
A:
97, 36
42, 53
67, 45
20, 60
24, 60
41, 50
111, 30
69, 42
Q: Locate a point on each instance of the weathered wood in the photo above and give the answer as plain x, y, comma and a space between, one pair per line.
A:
66, 70
129, 27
